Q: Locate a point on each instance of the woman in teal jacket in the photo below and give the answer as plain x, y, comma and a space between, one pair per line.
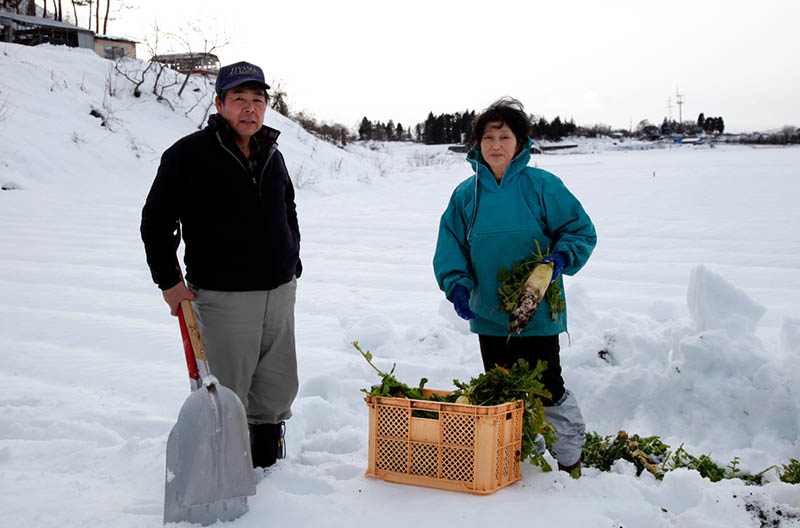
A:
495, 218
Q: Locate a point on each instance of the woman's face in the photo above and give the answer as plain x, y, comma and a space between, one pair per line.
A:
498, 147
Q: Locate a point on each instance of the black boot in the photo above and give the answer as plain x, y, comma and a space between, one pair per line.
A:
574, 470
266, 443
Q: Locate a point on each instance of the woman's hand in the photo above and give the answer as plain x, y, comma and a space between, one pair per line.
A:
559, 260
461, 303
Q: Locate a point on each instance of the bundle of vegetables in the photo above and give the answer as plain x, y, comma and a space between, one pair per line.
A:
523, 287
651, 454
498, 386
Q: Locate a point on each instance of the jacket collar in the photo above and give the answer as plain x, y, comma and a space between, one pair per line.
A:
483, 171
260, 141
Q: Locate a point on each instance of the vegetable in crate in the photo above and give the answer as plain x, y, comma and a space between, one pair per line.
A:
389, 385
498, 386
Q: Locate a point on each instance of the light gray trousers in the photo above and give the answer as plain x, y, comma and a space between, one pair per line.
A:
249, 340
567, 419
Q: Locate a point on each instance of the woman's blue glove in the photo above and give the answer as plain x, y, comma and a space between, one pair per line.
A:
461, 303
559, 260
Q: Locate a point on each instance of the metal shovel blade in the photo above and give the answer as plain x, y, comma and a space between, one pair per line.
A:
209, 466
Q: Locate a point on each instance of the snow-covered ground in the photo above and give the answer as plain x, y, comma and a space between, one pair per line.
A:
692, 294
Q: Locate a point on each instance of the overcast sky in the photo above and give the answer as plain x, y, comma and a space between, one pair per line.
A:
610, 62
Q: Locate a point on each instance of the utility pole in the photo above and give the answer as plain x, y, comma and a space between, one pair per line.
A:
669, 107
679, 101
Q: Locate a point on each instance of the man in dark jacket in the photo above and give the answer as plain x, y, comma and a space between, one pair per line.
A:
228, 189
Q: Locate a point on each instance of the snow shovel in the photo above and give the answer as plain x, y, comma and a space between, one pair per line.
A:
209, 466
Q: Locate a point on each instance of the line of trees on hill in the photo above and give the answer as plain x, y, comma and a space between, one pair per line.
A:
380, 131
787, 135
709, 125
455, 128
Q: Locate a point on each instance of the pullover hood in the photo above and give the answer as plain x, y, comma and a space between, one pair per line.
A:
485, 175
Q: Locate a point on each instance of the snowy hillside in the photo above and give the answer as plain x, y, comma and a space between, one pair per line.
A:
685, 323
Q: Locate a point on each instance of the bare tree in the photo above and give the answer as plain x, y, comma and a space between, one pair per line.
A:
100, 10
160, 68
75, 5
137, 78
58, 10
193, 40
278, 99
105, 20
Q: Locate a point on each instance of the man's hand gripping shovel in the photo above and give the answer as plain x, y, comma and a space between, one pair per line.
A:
209, 466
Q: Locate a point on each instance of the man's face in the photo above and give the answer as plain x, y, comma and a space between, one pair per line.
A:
243, 109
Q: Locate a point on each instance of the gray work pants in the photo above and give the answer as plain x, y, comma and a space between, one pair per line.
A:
249, 340
566, 417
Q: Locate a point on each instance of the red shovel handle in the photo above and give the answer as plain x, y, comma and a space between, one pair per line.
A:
193, 347
188, 351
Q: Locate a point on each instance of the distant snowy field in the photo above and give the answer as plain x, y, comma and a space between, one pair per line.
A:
693, 294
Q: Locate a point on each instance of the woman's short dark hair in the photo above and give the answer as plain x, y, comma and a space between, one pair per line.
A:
507, 111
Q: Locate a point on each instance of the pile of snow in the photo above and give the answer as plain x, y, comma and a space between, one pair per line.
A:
684, 323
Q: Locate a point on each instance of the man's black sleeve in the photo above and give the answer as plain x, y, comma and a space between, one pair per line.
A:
160, 223
291, 209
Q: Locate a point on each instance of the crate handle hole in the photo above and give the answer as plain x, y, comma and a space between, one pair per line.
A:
429, 415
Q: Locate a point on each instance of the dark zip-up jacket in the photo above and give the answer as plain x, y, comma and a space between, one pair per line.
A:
237, 216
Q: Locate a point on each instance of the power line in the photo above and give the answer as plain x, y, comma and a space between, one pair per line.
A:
679, 101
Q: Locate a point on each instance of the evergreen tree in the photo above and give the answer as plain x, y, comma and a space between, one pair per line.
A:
540, 128
701, 120
570, 128
380, 132
555, 131
390, 131
427, 131
437, 131
365, 130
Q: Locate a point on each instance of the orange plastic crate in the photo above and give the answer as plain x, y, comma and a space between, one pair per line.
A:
468, 448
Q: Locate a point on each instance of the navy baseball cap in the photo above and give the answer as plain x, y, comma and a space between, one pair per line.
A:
233, 75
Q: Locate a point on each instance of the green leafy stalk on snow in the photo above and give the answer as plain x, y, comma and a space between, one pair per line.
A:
791, 472
512, 281
653, 455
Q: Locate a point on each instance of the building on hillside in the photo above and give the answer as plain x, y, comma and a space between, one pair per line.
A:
199, 63
32, 30
114, 47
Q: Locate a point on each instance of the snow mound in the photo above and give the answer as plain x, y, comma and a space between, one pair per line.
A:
716, 304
